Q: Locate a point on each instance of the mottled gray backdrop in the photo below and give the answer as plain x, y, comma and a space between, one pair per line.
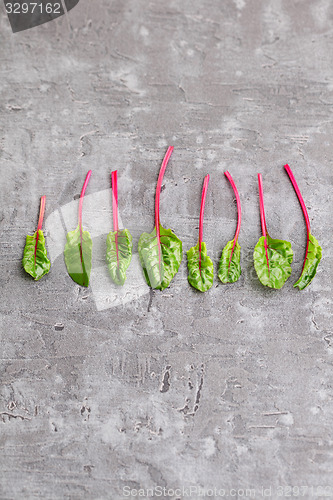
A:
227, 389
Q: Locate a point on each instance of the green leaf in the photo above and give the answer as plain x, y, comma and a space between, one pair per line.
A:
159, 273
274, 272
35, 261
201, 279
229, 266
118, 264
311, 263
78, 254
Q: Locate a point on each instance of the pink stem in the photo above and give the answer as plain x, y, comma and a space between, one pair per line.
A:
239, 211
262, 208
239, 208
81, 199
202, 209
40, 223
80, 212
157, 199
115, 200
305, 212
41, 212
262, 217
115, 209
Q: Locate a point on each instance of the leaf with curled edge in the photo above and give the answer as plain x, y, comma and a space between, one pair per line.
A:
313, 251
229, 265
159, 270
200, 272
118, 254
35, 261
313, 257
274, 268
78, 256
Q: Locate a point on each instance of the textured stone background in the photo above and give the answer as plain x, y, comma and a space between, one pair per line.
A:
228, 389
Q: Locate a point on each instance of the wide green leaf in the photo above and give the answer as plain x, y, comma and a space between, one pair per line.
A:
159, 270
311, 263
274, 272
200, 277
35, 261
78, 255
229, 266
118, 254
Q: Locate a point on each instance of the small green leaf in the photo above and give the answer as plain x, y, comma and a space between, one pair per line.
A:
229, 266
311, 263
273, 269
78, 255
118, 264
202, 277
35, 261
159, 272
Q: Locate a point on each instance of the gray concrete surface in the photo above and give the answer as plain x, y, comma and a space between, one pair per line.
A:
230, 389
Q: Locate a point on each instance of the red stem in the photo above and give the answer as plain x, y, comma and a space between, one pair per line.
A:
157, 199
40, 223
81, 199
305, 212
202, 209
115, 209
262, 217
